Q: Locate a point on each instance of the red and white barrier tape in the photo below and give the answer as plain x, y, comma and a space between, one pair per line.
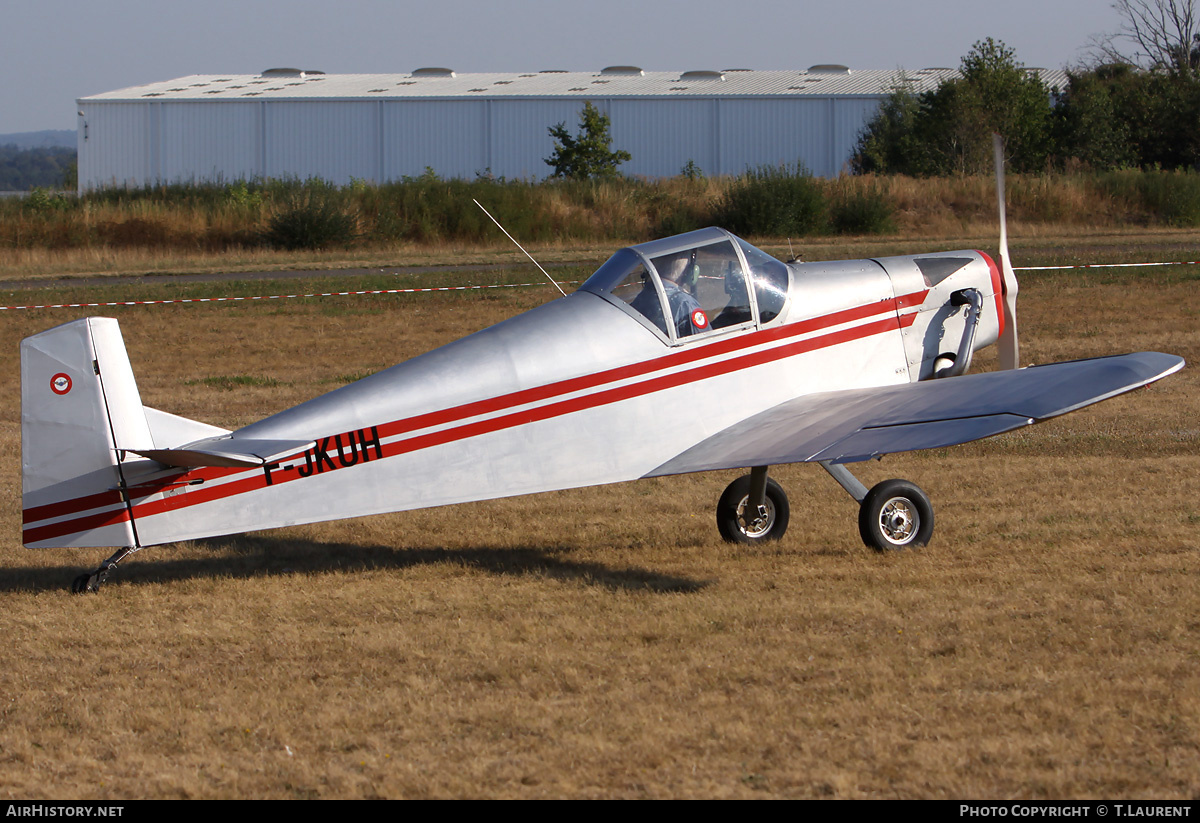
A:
1108, 265
266, 297
470, 288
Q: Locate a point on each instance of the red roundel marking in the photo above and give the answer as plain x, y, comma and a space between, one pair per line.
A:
698, 319
60, 383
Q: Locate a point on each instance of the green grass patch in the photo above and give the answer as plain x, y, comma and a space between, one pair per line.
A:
229, 382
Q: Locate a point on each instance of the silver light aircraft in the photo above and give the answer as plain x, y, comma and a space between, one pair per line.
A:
691, 353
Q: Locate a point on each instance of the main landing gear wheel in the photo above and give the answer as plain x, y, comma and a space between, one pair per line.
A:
895, 514
739, 524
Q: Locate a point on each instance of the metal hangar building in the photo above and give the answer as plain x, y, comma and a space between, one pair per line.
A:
379, 127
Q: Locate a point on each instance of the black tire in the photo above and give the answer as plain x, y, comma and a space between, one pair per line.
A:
895, 514
80, 584
731, 511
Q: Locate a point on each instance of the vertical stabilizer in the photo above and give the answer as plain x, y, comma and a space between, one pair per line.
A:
79, 408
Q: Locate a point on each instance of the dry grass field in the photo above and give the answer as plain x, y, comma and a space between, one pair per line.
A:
604, 642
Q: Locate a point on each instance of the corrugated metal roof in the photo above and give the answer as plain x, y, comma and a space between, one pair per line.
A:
697, 83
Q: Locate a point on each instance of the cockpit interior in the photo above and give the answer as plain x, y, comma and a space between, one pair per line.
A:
694, 285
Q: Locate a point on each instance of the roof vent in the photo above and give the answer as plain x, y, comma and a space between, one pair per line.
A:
633, 70
553, 71
433, 71
729, 70
704, 74
829, 68
285, 73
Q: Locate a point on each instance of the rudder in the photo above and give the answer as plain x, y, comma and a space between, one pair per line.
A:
79, 405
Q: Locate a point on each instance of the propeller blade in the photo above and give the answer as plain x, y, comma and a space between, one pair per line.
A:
1009, 347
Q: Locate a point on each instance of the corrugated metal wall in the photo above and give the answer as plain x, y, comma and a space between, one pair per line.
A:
519, 138
135, 144
664, 135
216, 141
451, 139
332, 140
115, 147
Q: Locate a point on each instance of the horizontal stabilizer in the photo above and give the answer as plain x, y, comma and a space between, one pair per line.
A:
854, 425
226, 451
168, 428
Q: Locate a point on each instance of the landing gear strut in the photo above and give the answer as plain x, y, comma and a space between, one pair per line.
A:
753, 509
91, 582
895, 514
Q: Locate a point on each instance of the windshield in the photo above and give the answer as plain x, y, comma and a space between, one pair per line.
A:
770, 281
693, 284
626, 278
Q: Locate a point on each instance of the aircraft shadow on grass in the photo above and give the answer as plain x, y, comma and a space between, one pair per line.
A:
252, 556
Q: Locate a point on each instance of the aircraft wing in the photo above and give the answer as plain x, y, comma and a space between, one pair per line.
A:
858, 424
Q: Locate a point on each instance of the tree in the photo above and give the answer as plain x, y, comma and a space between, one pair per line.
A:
889, 142
22, 169
1118, 115
1092, 122
997, 95
1161, 35
949, 129
589, 154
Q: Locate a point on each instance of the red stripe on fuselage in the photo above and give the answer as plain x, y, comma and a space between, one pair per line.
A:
669, 360
547, 412
199, 494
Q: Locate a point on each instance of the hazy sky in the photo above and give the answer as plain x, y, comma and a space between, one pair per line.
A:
54, 51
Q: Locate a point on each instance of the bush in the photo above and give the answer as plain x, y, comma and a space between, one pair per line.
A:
1173, 196
780, 201
43, 201
862, 212
311, 216
1166, 197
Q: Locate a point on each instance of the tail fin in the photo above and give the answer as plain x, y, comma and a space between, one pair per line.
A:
80, 409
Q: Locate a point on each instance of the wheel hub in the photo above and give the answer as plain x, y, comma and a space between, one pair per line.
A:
899, 521
755, 523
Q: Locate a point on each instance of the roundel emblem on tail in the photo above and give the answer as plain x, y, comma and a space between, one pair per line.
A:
699, 320
60, 383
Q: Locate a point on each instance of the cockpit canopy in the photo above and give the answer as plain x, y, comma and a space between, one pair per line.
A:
694, 284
